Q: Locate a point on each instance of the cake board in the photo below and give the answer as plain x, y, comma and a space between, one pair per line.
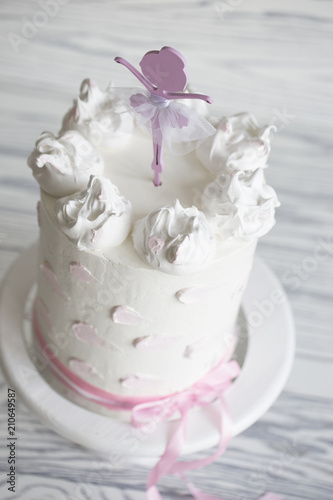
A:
266, 353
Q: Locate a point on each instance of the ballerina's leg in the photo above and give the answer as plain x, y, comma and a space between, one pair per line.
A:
157, 163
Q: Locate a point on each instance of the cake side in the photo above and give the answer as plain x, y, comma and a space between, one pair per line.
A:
130, 329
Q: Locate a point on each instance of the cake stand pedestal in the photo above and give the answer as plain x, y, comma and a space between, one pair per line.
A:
266, 353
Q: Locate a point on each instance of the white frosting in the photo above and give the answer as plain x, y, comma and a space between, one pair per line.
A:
240, 204
62, 165
44, 313
99, 115
239, 143
174, 239
96, 217
197, 348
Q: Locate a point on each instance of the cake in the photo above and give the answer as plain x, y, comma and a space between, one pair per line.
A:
139, 286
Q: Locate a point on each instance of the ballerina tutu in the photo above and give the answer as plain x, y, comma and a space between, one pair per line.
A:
181, 127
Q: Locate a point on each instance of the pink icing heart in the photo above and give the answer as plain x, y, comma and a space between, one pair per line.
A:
81, 273
88, 335
52, 279
125, 315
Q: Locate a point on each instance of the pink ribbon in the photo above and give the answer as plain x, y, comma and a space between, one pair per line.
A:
210, 388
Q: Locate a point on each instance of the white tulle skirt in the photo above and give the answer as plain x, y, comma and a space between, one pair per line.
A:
181, 127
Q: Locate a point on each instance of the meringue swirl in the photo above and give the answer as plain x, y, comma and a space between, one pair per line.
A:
99, 115
238, 144
62, 165
174, 239
240, 204
96, 217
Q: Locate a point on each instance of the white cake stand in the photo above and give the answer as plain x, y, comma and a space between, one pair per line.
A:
266, 366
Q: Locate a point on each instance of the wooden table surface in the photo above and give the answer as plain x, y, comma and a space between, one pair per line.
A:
271, 58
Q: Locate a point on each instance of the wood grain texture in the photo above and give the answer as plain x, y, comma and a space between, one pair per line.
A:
271, 58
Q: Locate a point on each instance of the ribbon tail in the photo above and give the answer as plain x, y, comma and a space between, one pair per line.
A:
153, 494
225, 430
168, 459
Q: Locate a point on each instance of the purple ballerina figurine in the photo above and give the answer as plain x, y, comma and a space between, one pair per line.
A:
171, 123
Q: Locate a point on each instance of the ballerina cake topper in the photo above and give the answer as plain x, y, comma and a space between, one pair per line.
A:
178, 126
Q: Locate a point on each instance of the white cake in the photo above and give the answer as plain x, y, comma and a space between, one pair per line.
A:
139, 287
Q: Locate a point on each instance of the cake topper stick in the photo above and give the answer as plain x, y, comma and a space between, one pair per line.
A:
164, 76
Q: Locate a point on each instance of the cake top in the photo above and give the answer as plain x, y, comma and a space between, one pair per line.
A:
96, 181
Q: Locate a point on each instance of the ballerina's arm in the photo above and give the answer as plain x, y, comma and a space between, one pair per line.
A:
136, 73
187, 95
